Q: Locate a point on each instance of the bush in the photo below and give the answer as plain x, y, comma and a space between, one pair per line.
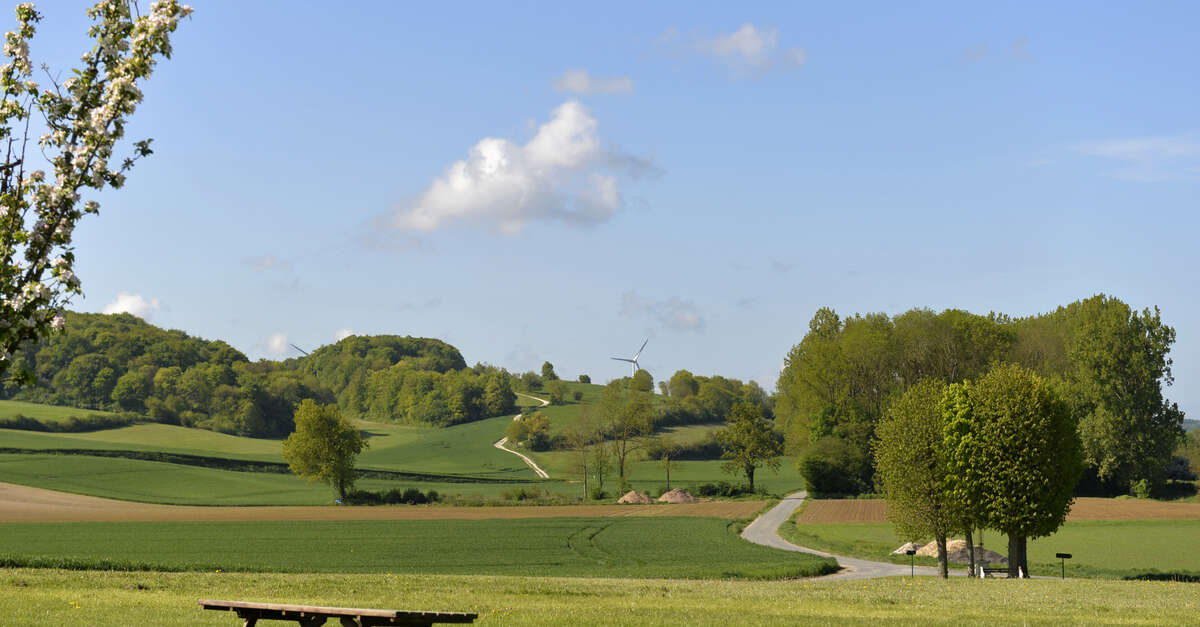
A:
522, 494
835, 466
1180, 469
720, 488
583, 378
411, 496
597, 494
71, 424
577, 395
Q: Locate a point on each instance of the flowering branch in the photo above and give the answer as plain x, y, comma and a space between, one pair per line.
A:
85, 119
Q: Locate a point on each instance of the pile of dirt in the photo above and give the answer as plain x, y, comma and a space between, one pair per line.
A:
676, 496
635, 497
911, 546
956, 551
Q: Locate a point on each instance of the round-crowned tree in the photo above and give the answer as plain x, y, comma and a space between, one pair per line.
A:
324, 446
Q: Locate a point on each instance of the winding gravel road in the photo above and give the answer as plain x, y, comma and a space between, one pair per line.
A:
500, 444
765, 531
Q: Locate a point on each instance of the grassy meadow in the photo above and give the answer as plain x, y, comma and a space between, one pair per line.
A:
655, 547
459, 452
56, 597
45, 413
1100, 548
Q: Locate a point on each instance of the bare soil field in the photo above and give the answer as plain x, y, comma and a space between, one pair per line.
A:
875, 511
25, 504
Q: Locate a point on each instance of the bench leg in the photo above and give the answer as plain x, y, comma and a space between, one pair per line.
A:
250, 622
351, 622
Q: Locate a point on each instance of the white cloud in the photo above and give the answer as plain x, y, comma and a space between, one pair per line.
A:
128, 302
277, 344
1148, 159
562, 174
342, 334
752, 47
580, 82
672, 313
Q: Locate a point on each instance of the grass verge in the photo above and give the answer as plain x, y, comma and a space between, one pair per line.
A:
1106, 549
56, 597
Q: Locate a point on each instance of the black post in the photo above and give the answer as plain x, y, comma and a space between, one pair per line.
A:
912, 563
1064, 557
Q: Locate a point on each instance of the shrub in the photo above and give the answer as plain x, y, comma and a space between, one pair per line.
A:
577, 395
720, 488
835, 466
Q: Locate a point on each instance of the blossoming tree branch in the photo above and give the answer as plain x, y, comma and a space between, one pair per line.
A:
83, 119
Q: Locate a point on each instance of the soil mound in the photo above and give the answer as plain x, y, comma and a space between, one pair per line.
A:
911, 546
676, 496
956, 551
633, 496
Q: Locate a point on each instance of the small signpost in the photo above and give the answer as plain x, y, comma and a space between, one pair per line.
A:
912, 562
1064, 557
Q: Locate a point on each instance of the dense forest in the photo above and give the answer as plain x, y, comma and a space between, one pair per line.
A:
121, 363
1109, 361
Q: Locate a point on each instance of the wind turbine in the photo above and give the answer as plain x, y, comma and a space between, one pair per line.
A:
635, 356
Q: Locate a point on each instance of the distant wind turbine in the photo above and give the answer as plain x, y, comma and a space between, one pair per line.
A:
635, 356
299, 349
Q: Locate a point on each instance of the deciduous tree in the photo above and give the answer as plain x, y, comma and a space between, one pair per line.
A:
749, 442
324, 446
911, 464
1029, 456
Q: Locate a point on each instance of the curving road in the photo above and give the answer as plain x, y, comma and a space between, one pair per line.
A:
500, 444
765, 531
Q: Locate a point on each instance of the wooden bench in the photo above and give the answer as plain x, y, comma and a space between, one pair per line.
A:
314, 615
1001, 571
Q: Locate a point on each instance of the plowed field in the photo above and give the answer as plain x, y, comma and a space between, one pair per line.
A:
24, 504
854, 511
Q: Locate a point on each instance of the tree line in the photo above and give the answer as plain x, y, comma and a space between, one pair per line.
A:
1108, 362
121, 363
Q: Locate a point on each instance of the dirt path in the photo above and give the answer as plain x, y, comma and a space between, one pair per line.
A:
25, 504
500, 444
765, 531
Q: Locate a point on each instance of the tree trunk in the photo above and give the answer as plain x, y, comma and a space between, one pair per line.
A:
1017, 563
341, 485
750, 476
943, 564
668, 474
586, 494
970, 553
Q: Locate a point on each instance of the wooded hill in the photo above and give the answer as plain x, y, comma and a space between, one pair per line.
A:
121, 363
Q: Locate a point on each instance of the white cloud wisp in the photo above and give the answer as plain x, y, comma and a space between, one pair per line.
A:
752, 48
672, 313
563, 174
580, 82
128, 302
1150, 159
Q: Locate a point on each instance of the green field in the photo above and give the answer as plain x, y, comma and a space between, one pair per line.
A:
54, 597
554, 547
175, 484
45, 413
462, 450
1099, 548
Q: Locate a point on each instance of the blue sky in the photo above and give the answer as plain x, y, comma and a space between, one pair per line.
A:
555, 182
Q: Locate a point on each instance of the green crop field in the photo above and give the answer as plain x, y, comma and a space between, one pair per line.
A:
158, 482
55, 597
575, 547
46, 413
1099, 548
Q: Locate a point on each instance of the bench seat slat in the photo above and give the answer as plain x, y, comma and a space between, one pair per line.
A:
281, 609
